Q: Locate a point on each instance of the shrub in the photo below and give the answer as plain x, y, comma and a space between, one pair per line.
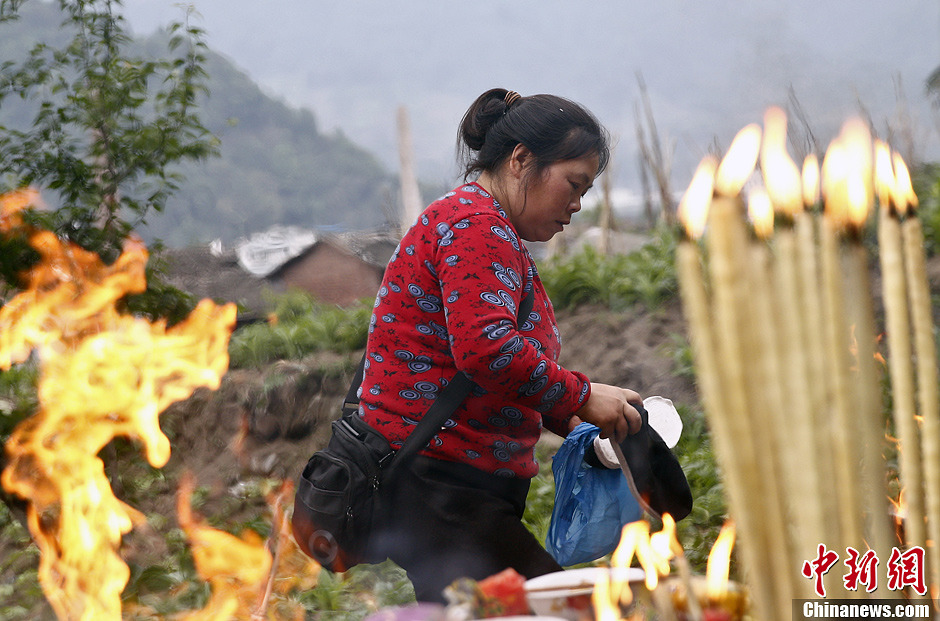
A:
646, 276
927, 186
300, 326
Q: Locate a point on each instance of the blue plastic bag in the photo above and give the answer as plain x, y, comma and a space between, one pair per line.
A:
591, 504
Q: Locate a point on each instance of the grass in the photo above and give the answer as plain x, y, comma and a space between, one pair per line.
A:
298, 327
646, 276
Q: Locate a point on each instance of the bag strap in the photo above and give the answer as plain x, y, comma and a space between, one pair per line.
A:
444, 405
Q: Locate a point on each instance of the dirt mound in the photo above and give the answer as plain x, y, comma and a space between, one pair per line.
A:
638, 350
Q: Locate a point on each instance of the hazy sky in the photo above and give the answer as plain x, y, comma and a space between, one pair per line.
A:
710, 67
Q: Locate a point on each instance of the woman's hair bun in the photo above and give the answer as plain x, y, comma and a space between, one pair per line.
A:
481, 116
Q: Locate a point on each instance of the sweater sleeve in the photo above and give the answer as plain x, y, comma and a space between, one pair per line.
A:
483, 274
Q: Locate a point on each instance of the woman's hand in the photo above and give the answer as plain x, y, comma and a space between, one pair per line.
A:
609, 407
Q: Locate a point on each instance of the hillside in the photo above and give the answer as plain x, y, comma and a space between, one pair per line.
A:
276, 166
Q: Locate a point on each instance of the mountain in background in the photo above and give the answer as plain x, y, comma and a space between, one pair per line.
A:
710, 67
276, 166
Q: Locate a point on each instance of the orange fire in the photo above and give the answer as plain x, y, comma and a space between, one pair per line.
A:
235, 567
654, 552
810, 174
102, 375
780, 173
738, 163
12, 203
898, 512
693, 208
719, 562
761, 212
847, 176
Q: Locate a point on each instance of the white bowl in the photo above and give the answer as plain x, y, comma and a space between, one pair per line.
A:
567, 594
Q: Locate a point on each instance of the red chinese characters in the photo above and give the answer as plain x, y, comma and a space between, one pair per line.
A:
903, 570
819, 567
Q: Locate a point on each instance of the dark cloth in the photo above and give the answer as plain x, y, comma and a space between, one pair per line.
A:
442, 520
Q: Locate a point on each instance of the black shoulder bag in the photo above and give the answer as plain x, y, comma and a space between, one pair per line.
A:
334, 504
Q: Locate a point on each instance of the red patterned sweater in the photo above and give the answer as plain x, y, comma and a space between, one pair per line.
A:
449, 301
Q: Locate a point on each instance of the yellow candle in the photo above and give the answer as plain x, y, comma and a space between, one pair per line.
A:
925, 350
844, 438
846, 185
867, 398
696, 306
771, 413
835, 336
900, 367
795, 256
802, 462
819, 388
727, 242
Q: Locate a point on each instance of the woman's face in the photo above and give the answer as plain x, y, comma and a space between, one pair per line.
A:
549, 199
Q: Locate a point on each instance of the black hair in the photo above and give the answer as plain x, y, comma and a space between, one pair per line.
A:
552, 128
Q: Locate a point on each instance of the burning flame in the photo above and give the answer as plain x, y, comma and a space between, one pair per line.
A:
235, 567
811, 180
693, 208
761, 211
102, 375
719, 562
847, 175
654, 552
905, 189
893, 181
739, 161
12, 203
898, 508
781, 175
886, 185
834, 172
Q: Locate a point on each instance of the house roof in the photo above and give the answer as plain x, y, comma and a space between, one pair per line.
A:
205, 274
217, 274
374, 249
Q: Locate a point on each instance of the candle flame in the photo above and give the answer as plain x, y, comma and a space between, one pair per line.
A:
781, 175
693, 208
739, 161
761, 211
885, 179
856, 138
811, 180
719, 562
605, 605
905, 189
847, 176
833, 190
653, 553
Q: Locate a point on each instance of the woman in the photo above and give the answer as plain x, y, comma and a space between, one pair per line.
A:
448, 303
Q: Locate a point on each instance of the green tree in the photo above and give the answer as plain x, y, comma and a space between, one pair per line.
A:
108, 128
